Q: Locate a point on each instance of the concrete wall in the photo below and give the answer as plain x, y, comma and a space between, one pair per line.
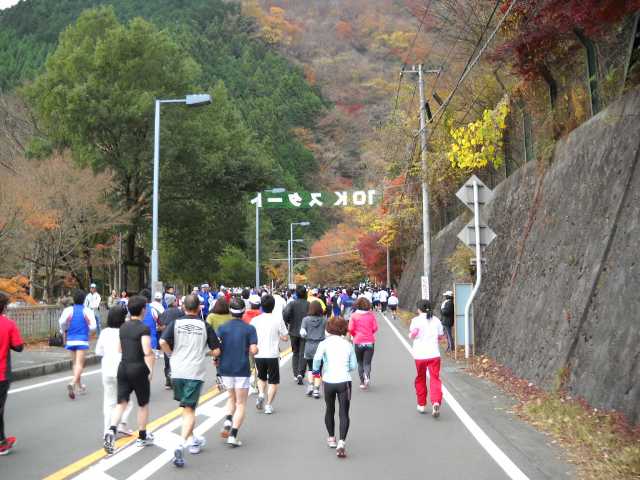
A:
561, 293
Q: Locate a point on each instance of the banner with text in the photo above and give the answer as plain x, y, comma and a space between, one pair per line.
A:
356, 198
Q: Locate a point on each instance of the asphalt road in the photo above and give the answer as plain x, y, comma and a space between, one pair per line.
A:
474, 437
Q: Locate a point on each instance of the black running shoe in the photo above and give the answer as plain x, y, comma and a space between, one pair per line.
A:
109, 446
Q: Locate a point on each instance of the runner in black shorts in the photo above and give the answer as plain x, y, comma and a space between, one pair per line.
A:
134, 373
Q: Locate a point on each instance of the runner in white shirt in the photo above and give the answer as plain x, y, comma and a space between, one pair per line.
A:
384, 297
425, 330
393, 305
108, 347
92, 301
271, 329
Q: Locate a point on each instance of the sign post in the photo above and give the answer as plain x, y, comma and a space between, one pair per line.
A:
475, 194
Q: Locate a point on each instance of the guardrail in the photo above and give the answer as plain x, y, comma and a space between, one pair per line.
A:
40, 321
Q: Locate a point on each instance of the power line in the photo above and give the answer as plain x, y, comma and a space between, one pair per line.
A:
316, 256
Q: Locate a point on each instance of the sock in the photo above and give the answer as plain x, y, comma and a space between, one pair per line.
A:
234, 432
228, 418
114, 429
142, 435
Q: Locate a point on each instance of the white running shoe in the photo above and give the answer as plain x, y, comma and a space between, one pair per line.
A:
309, 391
260, 402
197, 444
331, 442
436, 410
226, 429
234, 442
145, 442
268, 409
341, 450
421, 408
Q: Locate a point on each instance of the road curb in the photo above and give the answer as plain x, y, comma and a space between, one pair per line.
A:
48, 368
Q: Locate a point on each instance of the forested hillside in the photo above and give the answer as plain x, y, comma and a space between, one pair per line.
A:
506, 80
211, 157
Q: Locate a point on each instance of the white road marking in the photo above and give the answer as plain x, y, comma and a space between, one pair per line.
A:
504, 462
51, 382
165, 439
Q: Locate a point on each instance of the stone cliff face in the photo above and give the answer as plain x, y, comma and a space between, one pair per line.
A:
560, 297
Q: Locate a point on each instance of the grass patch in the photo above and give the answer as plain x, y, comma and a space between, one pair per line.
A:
601, 444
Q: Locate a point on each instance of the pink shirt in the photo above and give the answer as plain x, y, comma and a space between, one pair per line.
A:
363, 326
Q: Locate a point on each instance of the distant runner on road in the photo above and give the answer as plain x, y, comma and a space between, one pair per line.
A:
337, 359
425, 330
293, 314
393, 305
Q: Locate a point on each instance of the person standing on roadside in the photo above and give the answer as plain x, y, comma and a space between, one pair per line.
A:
172, 313
10, 339
336, 359
134, 373
362, 328
293, 314
312, 330
447, 311
239, 340
425, 330
92, 302
271, 330
76, 322
188, 340
112, 300
108, 347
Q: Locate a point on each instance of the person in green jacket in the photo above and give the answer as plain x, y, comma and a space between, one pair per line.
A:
220, 314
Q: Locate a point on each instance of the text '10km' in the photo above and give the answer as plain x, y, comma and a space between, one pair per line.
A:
356, 198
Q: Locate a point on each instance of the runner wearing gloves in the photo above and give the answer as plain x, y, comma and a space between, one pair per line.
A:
336, 359
312, 330
425, 330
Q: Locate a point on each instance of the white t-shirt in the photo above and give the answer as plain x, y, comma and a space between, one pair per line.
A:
384, 296
393, 300
270, 328
280, 304
92, 301
425, 344
108, 348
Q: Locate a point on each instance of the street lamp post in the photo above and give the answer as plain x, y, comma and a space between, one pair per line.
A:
191, 101
302, 224
258, 205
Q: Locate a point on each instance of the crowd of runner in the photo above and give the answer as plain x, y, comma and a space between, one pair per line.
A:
332, 333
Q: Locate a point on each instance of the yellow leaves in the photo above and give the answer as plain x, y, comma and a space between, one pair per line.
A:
276, 29
480, 143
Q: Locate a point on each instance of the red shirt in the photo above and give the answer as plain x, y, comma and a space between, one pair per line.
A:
250, 315
363, 327
9, 338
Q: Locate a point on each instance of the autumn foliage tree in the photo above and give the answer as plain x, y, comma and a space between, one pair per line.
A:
58, 216
346, 268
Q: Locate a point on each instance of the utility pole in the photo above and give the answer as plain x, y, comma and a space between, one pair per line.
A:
426, 223
388, 268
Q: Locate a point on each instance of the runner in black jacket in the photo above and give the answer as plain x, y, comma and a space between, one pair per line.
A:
293, 314
447, 311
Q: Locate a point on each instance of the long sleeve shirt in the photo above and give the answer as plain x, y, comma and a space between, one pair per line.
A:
338, 359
